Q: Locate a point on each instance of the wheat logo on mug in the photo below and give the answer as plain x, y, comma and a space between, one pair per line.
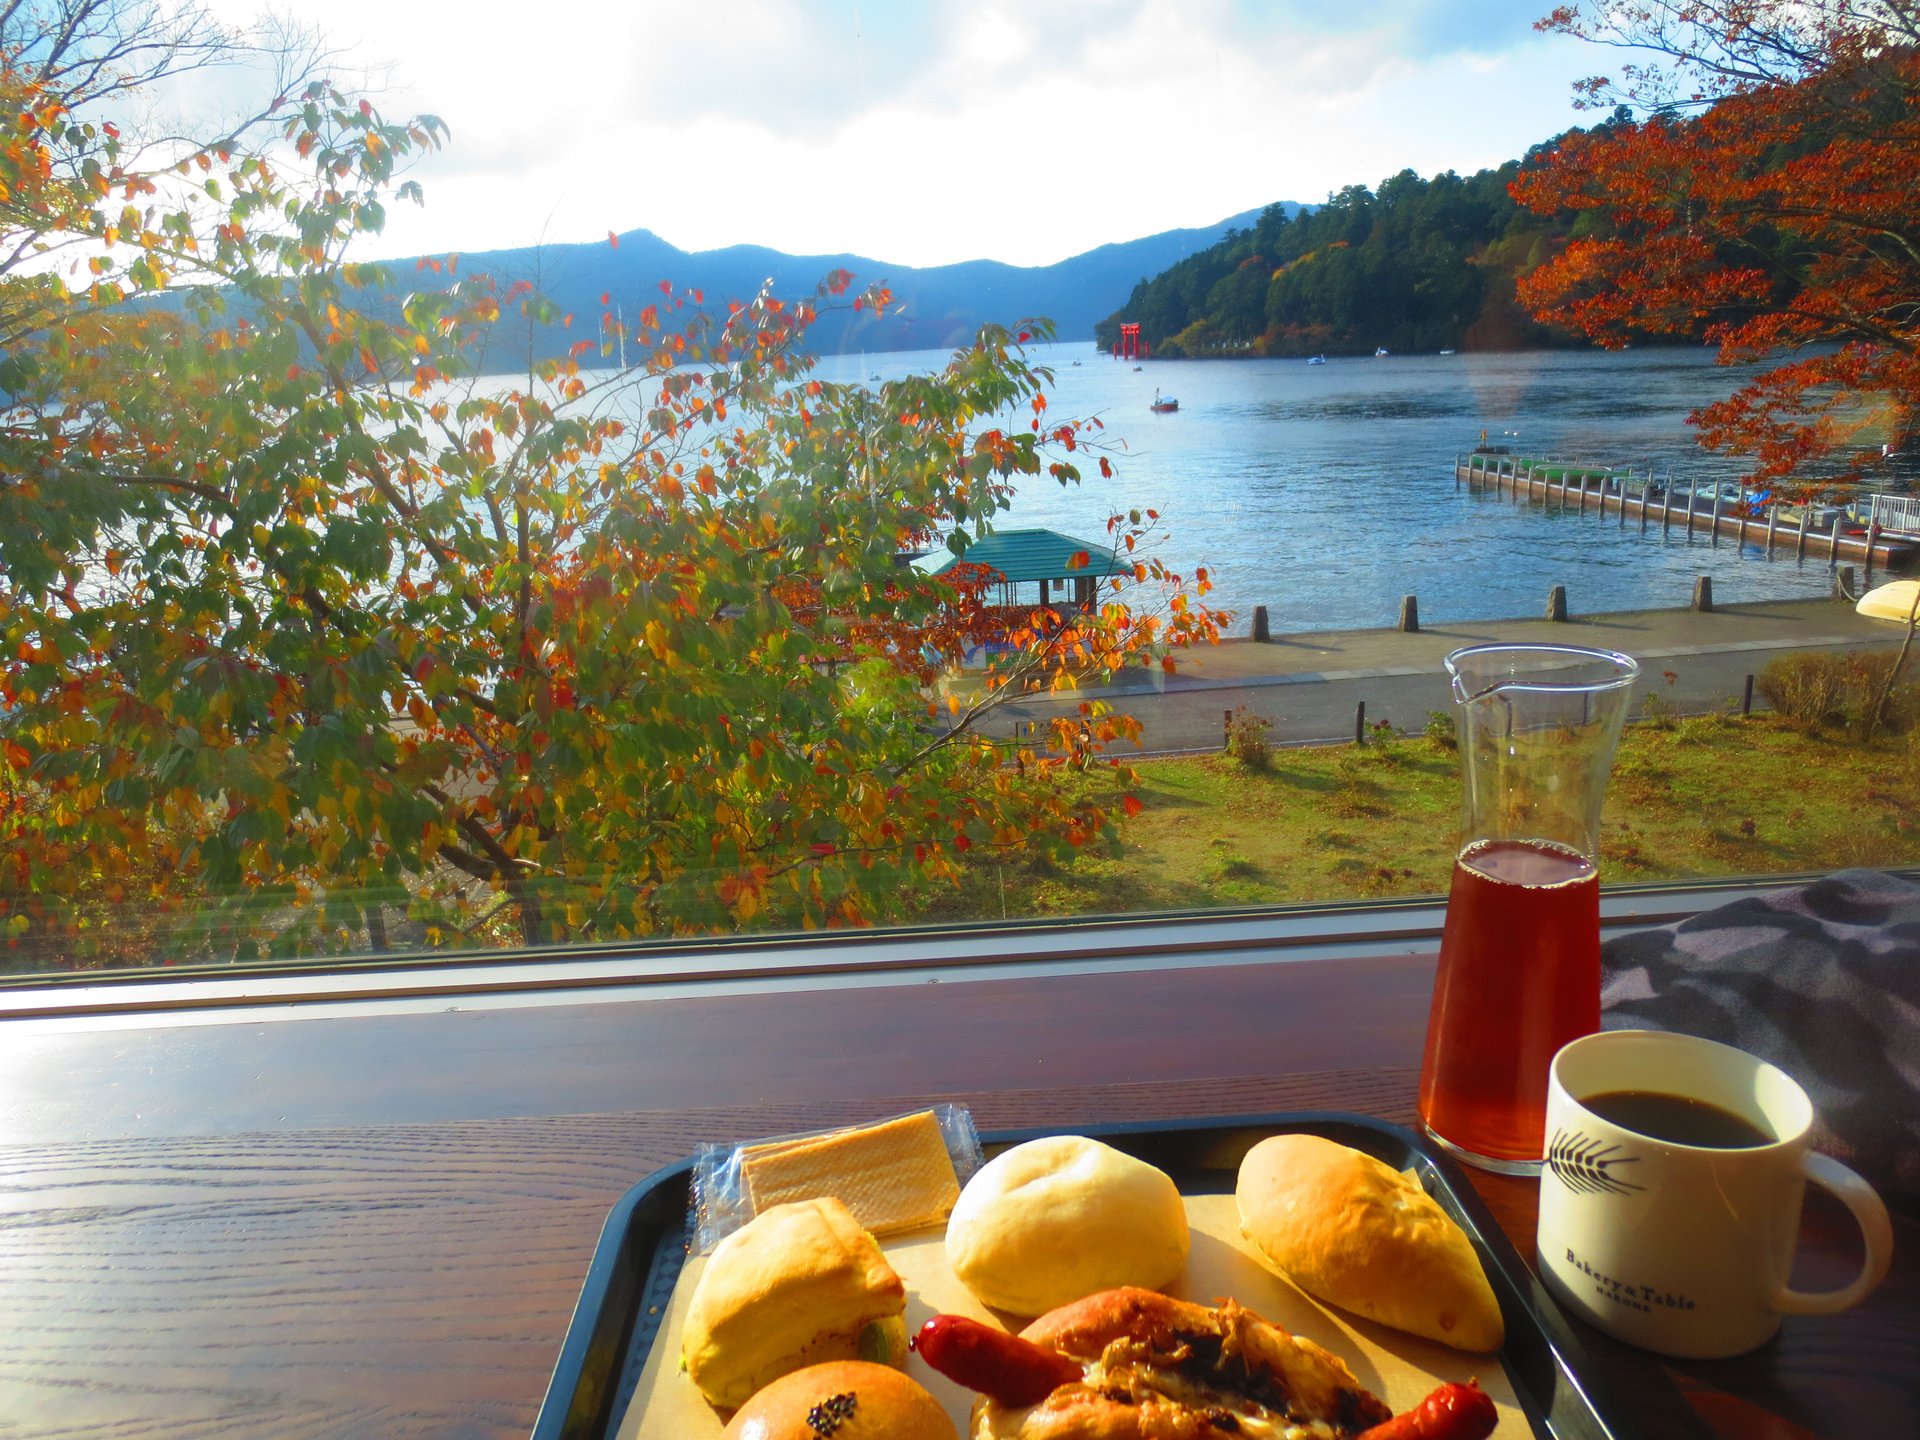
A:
1670, 1204
1585, 1165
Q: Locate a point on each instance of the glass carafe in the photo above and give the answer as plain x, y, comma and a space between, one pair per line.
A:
1519, 971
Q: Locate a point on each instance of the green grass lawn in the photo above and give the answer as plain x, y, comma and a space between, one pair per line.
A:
1710, 796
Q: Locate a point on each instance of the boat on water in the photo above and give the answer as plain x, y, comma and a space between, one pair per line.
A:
1823, 519
1316, 360
1164, 404
1446, 352
1892, 601
1381, 351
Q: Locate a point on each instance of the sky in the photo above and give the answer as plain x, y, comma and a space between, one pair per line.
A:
924, 132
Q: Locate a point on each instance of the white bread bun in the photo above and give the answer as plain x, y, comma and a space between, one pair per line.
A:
1058, 1218
1357, 1233
798, 1284
847, 1399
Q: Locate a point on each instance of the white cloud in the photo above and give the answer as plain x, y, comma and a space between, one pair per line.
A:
948, 130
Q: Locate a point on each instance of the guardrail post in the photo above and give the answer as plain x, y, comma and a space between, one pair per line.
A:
1557, 603
1261, 635
1703, 594
1409, 613
1746, 698
1360, 723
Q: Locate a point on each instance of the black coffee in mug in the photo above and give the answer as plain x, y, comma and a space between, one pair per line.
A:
1677, 1119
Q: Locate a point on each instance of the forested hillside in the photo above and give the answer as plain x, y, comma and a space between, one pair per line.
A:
1418, 265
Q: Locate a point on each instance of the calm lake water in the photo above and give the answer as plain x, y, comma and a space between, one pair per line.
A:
1326, 492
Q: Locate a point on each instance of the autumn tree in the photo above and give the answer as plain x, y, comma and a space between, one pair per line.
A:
308, 628
1756, 186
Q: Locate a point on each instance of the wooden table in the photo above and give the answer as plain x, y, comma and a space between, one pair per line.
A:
378, 1225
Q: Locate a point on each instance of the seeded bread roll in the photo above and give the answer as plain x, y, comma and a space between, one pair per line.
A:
847, 1400
1058, 1218
1358, 1234
796, 1285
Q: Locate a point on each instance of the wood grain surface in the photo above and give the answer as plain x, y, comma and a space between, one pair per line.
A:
378, 1227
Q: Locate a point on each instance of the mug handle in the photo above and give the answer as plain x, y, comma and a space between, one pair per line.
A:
1870, 1213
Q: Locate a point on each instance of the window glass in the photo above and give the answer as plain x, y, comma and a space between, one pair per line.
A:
511, 481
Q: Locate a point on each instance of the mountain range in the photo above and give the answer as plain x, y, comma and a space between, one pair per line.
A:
934, 306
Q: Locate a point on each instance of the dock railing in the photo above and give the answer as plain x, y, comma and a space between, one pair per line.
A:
1891, 538
1899, 514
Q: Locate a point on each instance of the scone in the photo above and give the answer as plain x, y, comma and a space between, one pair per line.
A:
1058, 1218
797, 1285
1358, 1234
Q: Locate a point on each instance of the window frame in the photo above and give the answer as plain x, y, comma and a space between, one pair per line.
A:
923, 954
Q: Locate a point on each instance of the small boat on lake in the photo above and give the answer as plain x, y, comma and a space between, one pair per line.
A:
1380, 353
1164, 404
1892, 601
1316, 360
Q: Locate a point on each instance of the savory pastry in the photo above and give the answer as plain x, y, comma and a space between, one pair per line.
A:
1057, 1218
1357, 1233
796, 1285
844, 1400
1132, 1364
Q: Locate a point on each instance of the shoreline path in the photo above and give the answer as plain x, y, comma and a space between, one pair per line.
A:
1309, 685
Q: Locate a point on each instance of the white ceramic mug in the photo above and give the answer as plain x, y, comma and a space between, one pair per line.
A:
1686, 1249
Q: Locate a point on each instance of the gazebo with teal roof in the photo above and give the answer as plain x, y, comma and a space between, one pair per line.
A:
1035, 557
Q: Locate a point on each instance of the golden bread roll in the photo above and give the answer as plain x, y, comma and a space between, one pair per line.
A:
1358, 1234
796, 1285
844, 1399
1058, 1218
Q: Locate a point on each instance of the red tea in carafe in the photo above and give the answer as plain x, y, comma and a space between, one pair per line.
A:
1519, 976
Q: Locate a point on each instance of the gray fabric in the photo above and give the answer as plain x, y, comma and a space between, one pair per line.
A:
1821, 979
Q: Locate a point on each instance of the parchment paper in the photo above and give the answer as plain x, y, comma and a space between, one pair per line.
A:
1401, 1369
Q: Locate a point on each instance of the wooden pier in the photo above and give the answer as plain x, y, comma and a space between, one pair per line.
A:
1671, 503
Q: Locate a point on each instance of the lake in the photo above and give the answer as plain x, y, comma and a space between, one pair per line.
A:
1326, 492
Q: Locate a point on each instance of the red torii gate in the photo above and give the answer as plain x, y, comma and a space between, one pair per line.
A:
1129, 347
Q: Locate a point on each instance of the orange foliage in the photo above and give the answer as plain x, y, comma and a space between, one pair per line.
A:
1776, 224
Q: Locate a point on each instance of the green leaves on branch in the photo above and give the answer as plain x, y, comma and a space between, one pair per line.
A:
316, 636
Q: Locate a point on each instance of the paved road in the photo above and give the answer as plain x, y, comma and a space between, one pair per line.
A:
1310, 685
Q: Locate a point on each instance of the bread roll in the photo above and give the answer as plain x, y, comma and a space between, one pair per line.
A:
846, 1399
796, 1285
1358, 1234
1058, 1218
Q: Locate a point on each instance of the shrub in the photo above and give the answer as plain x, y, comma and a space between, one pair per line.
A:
1867, 676
1247, 738
1440, 730
1807, 689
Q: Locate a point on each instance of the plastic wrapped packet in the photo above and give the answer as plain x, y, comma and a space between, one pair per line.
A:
890, 1173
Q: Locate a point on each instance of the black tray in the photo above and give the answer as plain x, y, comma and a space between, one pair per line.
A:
643, 1246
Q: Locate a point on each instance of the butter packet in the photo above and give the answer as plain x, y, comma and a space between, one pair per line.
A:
902, 1173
